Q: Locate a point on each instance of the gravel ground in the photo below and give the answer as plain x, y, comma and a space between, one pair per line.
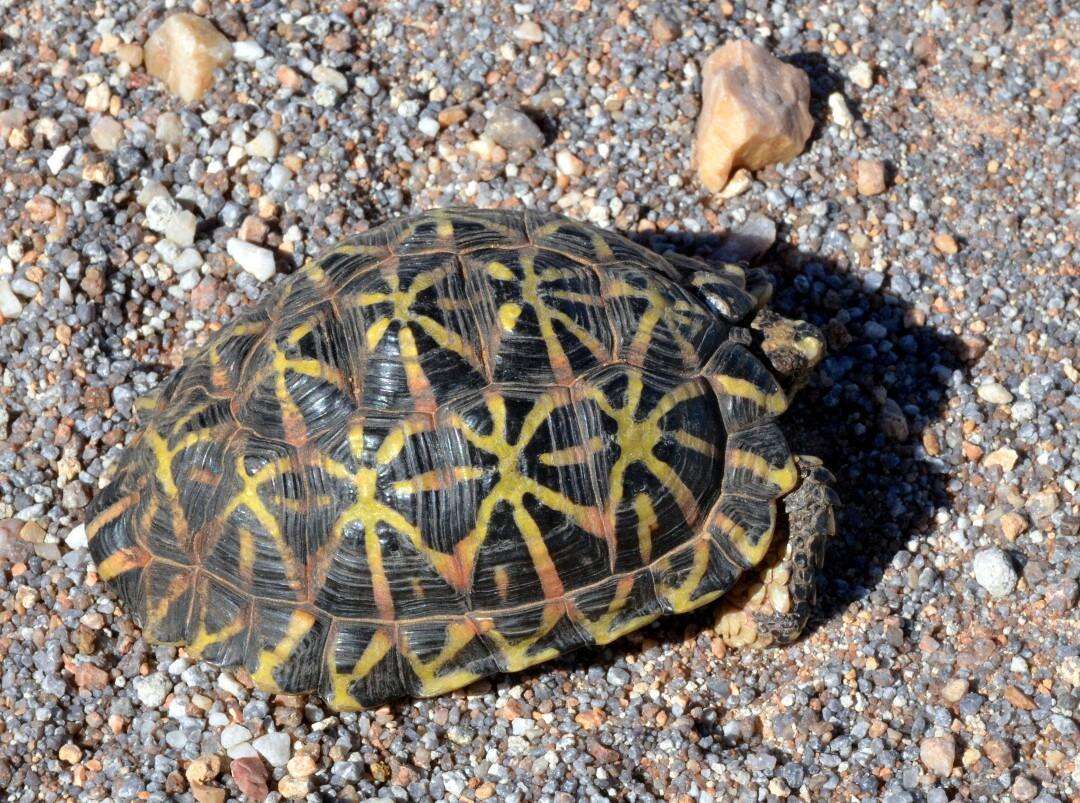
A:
947, 408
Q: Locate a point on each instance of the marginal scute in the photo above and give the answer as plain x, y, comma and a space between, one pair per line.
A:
462, 443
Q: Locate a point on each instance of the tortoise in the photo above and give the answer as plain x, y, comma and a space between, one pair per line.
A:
463, 443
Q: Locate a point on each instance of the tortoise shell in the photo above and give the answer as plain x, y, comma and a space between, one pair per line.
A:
458, 444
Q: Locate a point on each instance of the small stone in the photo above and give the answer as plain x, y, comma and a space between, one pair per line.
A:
945, 243
301, 765
41, 208
183, 53
954, 690
1024, 789
293, 788
10, 305
264, 145
428, 126
330, 77
999, 752
838, 108
58, 159
70, 753
76, 538
994, 571
233, 735
664, 29
169, 129
248, 50
862, 75
568, 164
98, 173
1004, 458
938, 753
1013, 525
106, 133
870, 176
208, 794
994, 393
251, 776
203, 769
510, 129
274, 747
529, 31
90, 677
452, 115
151, 690
98, 98
739, 183
748, 241
893, 421
167, 217
254, 259
755, 112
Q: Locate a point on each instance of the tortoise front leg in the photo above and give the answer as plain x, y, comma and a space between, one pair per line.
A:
772, 601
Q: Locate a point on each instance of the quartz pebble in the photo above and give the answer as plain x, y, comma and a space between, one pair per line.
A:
870, 176
107, 133
152, 689
275, 747
254, 259
183, 53
10, 305
938, 754
165, 216
994, 393
755, 112
510, 128
994, 571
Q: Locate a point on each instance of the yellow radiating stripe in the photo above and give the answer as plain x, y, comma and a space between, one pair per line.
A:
774, 403
374, 652
538, 552
785, 477
498, 271
438, 479
684, 392
203, 639
595, 347
696, 444
685, 498
680, 596
647, 523
515, 655
121, 561
458, 636
572, 455
415, 378
108, 515
740, 538
375, 332
300, 623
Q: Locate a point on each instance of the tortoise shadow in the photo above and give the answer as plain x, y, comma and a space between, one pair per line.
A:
880, 348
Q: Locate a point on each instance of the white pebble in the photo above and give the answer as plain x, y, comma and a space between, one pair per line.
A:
254, 259
862, 75
840, 113
275, 747
325, 95
428, 126
994, 572
248, 50
10, 306
76, 539
59, 159
151, 690
233, 735
167, 217
230, 685
330, 77
995, 393
265, 145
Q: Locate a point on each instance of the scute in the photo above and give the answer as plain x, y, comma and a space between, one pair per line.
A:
460, 443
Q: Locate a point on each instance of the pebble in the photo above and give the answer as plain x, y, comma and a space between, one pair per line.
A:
529, 31
263, 145
183, 53
870, 176
862, 75
755, 111
568, 164
107, 133
254, 259
274, 746
839, 111
248, 50
994, 571
152, 689
294, 788
233, 735
76, 537
510, 128
994, 393
10, 305
938, 754
165, 216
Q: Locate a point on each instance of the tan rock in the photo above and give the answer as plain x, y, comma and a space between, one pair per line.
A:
1013, 525
70, 753
293, 788
203, 769
938, 754
1004, 458
208, 794
130, 54
107, 133
945, 243
183, 53
301, 765
755, 112
870, 176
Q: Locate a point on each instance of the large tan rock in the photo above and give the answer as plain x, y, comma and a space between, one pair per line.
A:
755, 112
183, 53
